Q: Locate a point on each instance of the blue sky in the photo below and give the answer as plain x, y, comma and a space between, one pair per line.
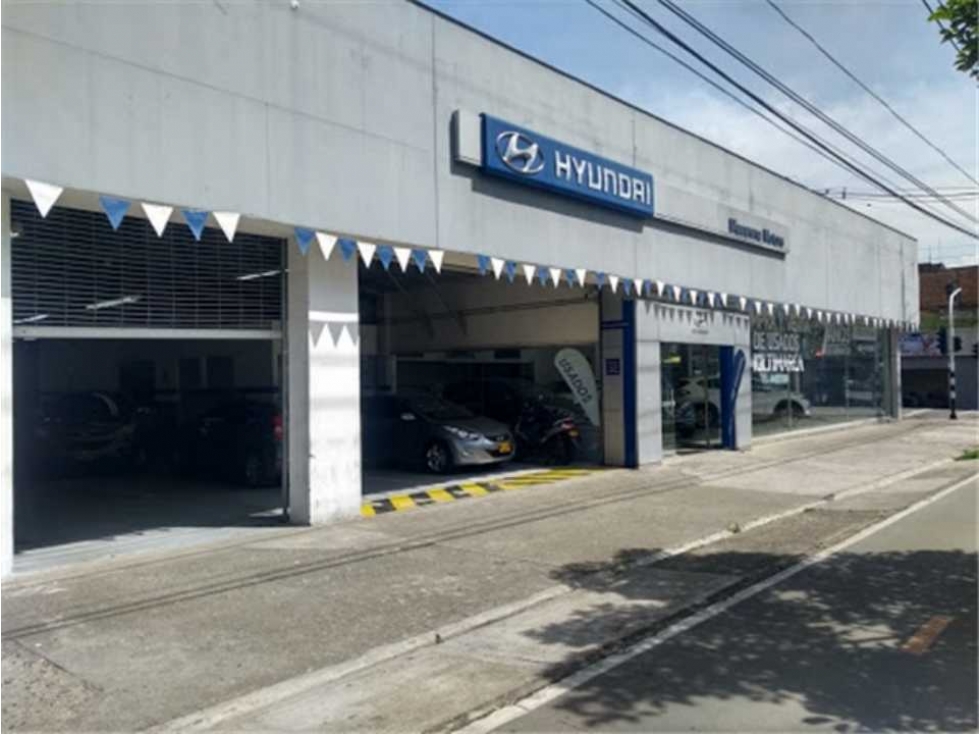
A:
889, 45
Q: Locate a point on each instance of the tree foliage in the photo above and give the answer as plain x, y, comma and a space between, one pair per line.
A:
959, 20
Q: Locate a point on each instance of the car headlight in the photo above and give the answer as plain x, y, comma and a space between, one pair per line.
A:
463, 433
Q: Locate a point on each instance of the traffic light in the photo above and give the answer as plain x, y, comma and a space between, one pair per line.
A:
975, 349
957, 344
943, 340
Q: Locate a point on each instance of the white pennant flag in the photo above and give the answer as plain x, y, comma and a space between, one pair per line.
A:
555, 276
582, 273
497, 264
724, 300
44, 195
436, 256
528, 273
367, 250
326, 242
228, 221
637, 287
808, 312
660, 287
158, 215
403, 254
677, 291
710, 299
693, 296
743, 302
771, 308
613, 282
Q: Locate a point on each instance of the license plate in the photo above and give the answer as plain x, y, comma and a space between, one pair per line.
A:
506, 447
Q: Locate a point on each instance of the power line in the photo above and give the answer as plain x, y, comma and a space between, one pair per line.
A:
940, 25
791, 122
801, 101
622, 24
870, 91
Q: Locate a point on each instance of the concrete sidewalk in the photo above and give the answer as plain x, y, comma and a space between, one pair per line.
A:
138, 643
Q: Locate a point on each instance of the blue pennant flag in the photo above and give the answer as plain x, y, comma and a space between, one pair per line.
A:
385, 253
600, 280
348, 248
484, 263
569, 275
195, 219
510, 268
541, 275
420, 257
115, 209
304, 237
627, 287
647, 288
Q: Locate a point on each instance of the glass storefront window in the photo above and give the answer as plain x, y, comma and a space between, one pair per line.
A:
806, 373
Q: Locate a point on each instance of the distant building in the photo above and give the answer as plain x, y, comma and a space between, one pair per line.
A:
924, 354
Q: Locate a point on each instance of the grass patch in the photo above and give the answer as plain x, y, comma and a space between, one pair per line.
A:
969, 454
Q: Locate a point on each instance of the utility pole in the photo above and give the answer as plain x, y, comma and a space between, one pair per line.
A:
952, 291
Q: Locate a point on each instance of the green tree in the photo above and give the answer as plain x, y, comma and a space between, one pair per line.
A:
958, 20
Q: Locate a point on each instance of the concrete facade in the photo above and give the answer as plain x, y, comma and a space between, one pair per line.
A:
337, 117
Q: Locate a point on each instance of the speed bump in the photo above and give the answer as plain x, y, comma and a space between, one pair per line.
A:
467, 490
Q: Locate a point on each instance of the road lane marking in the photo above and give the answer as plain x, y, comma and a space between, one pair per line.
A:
544, 696
922, 640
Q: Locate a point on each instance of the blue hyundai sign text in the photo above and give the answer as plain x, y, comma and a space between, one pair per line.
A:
522, 155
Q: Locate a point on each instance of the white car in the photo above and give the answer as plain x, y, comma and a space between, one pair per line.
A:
770, 397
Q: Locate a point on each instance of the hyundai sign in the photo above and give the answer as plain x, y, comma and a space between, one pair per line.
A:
522, 155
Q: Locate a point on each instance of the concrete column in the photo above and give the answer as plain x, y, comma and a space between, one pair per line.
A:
649, 398
324, 481
6, 400
892, 373
615, 372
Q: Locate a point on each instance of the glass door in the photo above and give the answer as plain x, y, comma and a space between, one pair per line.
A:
690, 396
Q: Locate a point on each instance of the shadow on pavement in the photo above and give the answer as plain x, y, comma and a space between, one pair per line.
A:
829, 639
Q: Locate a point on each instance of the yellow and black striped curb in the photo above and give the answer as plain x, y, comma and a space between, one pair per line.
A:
465, 490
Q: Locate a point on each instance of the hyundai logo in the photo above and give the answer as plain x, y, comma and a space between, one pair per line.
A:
519, 153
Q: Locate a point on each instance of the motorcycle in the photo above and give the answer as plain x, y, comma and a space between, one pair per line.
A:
546, 434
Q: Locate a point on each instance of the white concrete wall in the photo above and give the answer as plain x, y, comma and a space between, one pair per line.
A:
336, 116
324, 479
6, 399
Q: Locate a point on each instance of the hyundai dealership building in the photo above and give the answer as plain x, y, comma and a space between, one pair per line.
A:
227, 226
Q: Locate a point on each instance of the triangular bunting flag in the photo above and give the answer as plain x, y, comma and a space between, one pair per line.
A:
366, 250
542, 276
600, 280
44, 195
677, 293
570, 277
743, 302
510, 268
724, 300
555, 276
710, 299
582, 273
316, 329
228, 222
694, 294
771, 308
528, 273
647, 288
115, 209
497, 264
326, 242
385, 253
196, 218
483, 263
613, 282
303, 237
419, 257
660, 287
348, 248
403, 255
158, 215
436, 256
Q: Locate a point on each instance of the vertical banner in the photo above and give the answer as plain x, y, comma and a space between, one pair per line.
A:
733, 365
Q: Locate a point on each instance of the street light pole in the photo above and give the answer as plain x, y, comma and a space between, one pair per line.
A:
951, 353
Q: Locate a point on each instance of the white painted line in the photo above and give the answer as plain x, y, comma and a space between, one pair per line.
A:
544, 696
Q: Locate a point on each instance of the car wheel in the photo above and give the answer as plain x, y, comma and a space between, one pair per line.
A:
437, 458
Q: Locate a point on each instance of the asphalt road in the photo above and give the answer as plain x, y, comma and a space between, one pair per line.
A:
881, 636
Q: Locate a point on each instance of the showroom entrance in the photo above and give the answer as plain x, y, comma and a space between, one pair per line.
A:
148, 380
690, 377
469, 375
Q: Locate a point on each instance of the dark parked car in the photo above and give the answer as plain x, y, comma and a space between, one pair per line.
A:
84, 431
239, 440
425, 431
